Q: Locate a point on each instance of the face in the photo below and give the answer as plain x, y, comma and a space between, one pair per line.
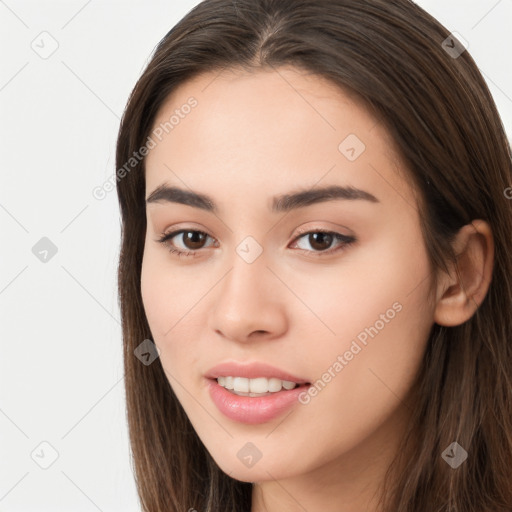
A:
331, 292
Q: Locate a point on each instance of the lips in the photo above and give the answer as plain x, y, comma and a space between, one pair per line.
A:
253, 409
252, 371
249, 410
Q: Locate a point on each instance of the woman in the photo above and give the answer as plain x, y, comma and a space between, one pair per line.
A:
315, 272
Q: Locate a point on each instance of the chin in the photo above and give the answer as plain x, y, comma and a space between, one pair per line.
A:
261, 471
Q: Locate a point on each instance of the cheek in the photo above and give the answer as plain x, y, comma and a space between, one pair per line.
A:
361, 386
165, 290
380, 315
375, 316
154, 296
171, 299
341, 300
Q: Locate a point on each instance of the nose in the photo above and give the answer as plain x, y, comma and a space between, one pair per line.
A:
250, 303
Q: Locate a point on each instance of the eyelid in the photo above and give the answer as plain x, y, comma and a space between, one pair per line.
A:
168, 235
302, 230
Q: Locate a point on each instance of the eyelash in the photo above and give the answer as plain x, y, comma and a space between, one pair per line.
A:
346, 241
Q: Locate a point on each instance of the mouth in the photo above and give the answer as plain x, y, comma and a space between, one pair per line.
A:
257, 387
253, 401
254, 392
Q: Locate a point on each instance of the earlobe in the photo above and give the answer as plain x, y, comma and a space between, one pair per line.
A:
460, 293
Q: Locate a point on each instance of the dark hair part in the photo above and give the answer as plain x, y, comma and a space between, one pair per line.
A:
448, 132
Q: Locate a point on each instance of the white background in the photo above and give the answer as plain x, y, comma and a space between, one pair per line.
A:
61, 359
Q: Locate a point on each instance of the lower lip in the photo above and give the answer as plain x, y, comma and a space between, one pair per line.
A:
253, 410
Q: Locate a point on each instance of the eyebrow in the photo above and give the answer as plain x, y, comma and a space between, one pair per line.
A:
282, 203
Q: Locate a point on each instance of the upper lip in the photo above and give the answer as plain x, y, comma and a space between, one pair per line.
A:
251, 371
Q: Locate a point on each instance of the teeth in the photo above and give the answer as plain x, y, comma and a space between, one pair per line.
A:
258, 386
241, 384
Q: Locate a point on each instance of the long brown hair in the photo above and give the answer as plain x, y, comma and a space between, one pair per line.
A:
437, 108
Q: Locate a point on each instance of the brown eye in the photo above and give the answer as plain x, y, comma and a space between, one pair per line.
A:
320, 241
193, 239
184, 242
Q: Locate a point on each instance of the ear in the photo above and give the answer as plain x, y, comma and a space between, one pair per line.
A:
460, 293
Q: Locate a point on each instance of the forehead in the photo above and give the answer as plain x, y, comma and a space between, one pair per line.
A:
268, 130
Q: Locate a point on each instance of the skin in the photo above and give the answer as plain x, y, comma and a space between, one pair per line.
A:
253, 136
